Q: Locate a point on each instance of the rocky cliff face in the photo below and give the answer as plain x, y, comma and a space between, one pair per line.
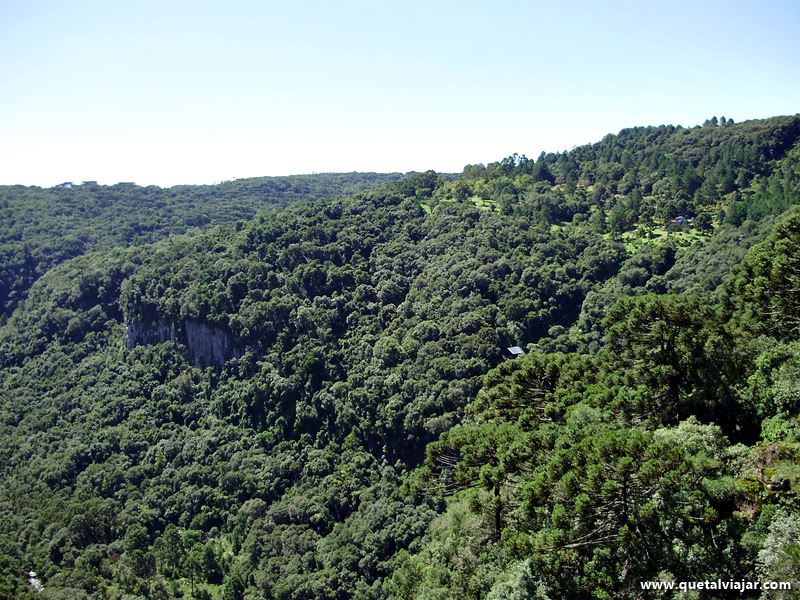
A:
142, 333
207, 345
210, 345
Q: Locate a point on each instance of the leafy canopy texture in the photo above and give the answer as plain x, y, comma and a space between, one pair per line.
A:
202, 398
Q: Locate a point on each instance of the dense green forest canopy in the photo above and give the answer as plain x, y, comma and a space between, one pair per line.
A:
43, 227
315, 403
671, 454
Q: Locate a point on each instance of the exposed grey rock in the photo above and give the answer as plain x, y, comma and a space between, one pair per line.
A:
207, 345
143, 333
210, 345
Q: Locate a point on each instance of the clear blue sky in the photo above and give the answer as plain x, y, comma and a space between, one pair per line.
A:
197, 92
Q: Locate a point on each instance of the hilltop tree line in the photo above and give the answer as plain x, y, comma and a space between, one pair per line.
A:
43, 227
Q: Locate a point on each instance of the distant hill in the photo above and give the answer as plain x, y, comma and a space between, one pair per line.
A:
42, 227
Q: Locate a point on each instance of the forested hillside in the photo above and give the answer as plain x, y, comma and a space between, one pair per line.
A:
317, 403
43, 227
671, 454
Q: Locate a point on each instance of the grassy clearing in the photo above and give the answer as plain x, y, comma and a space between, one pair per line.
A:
484, 204
480, 204
654, 234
